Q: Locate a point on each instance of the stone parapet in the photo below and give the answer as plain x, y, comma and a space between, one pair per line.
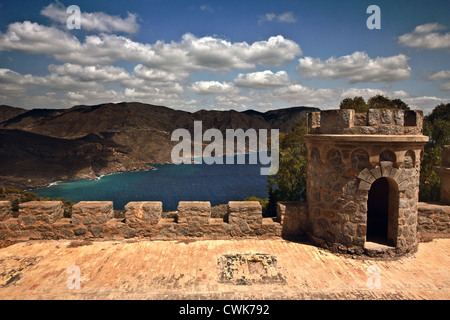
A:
443, 171
374, 121
97, 220
433, 220
293, 215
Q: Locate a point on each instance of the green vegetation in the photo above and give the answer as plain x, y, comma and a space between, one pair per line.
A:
17, 196
375, 102
289, 183
436, 125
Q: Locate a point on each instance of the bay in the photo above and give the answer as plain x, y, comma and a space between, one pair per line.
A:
169, 183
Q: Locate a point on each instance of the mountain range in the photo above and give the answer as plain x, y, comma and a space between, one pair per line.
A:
41, 146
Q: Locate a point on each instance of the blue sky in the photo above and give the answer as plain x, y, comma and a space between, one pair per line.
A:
223, 55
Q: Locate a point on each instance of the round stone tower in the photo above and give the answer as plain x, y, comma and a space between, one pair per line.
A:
363, 179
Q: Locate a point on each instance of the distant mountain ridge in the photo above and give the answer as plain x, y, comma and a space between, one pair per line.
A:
41, 146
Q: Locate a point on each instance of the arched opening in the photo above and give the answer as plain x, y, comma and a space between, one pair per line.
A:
382, 212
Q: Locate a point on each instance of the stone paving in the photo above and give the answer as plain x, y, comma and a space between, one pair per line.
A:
165, 270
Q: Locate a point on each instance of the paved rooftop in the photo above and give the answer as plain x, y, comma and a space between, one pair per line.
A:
219, 269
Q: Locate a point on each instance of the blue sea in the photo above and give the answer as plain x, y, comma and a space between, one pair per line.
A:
169, 183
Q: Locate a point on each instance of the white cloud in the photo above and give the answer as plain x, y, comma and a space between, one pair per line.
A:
90, 73
206, 7
93, 96
97, 21
357, 67
53, 81
426, 36
424, 103
156, 76
212, 87
34, 38
286, 17
300, 95
445, 86
441, 75
188, 55
262, 80
215, 54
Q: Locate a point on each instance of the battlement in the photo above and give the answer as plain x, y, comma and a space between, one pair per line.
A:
45, 220
374, 121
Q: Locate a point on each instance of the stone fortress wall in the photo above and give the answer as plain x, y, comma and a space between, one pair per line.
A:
348, 153
43, 220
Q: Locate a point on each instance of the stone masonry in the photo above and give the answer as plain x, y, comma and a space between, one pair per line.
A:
443, 172
347, 153
96, 220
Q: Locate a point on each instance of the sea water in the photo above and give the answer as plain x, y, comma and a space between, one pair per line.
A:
169, 183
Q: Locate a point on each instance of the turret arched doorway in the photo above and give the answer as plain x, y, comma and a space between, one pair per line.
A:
382, 212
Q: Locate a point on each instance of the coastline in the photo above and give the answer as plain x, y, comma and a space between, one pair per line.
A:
55, 183
149, 167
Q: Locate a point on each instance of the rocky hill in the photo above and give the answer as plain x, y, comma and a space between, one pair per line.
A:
41, 146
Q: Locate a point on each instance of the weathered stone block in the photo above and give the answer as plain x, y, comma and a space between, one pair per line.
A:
366, 176
364, 186
368, 130
399, 117
142, 213
386, 167
194, 212
360, 119
376, 172
373, 116
92, 212
345, 118
386, 129
41, 211
245, 214
386, 116
5, 210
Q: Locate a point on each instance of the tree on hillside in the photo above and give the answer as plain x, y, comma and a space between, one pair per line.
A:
436, 125
289, 182
357, 103
375, 102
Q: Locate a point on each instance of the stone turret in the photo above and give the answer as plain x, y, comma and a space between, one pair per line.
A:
363, 179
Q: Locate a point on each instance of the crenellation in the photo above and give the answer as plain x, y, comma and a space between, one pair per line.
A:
194, 212
96, 220
143, 212
40, 211
92, 212
374, 121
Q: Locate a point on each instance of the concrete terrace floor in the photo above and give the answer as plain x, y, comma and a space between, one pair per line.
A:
164, 270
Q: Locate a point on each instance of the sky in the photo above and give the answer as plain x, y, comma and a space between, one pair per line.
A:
222, 55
